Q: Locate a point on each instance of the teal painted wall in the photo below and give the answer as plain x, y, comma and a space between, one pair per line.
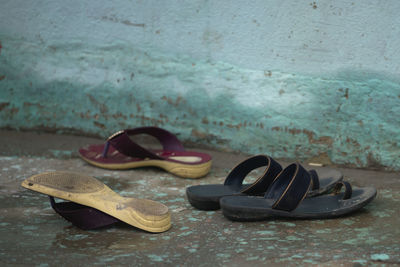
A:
294, 81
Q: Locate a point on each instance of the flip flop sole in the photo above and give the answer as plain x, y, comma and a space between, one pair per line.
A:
245, 208
183, 170
145, 214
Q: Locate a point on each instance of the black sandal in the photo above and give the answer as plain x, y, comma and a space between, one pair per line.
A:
286, 198
206, 197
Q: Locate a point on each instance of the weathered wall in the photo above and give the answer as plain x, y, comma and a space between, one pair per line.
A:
290, 80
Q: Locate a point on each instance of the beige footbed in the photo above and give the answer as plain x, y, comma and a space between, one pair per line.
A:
179, 169
145, 214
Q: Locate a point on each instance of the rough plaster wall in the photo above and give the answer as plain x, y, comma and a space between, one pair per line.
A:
293, 80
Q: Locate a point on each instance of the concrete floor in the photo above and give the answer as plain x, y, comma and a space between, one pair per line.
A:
33, 234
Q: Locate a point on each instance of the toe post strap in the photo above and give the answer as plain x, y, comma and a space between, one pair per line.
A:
348, 191
105, 150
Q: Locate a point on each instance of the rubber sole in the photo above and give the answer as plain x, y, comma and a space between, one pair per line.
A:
257, 212
179, 169
209, 196
144, 214
203, 204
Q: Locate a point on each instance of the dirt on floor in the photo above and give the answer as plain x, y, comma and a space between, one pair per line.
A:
33, 234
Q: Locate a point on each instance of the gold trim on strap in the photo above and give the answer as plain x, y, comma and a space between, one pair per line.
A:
114, 135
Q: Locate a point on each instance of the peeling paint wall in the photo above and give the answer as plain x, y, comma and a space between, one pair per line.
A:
294, 81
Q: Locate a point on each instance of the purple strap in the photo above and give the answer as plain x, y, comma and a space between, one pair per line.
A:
84, 217
289, 188
238, 174
121, 142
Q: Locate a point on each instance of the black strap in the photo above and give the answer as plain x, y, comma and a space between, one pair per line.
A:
289, 188
315, 179
348, 191
236, 177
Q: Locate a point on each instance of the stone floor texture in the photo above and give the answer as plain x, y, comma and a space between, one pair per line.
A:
33, 234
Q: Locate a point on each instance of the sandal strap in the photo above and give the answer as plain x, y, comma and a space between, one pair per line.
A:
348, 191
289, 188
84, 217
121, 142
236, 177
315, 179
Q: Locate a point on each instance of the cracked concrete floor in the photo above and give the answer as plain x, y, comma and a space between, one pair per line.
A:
33, 234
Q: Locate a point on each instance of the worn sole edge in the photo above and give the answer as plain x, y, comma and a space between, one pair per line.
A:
249, 215
163, 222
203, 204
181, 170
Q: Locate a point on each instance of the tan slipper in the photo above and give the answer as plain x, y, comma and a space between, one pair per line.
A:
145, 214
